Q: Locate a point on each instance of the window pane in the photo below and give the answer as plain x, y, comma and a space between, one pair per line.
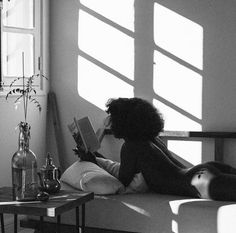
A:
14, 45
18, 13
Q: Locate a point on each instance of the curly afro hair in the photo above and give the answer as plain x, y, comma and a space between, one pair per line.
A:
134, 119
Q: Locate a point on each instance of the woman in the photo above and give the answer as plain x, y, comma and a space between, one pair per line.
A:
139, 123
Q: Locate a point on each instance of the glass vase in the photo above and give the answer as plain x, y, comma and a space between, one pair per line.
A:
24, 168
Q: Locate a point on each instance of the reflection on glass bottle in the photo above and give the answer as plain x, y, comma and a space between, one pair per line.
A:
24, 168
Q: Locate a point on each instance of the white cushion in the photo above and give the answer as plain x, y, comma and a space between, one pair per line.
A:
88, 176
137, 185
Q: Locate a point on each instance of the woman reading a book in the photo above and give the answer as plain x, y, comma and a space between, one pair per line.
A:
139, 123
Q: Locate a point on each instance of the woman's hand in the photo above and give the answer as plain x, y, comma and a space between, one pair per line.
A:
85, 156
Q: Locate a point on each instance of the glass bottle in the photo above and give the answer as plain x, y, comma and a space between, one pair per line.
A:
24, 168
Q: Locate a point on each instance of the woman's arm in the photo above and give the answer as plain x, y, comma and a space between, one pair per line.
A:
127, 164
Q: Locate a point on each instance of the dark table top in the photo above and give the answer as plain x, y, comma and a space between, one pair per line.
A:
57, 204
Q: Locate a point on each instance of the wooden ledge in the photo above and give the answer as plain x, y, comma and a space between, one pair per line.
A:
191, 134
198, 134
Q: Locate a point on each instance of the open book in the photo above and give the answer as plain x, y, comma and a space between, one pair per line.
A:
84, 134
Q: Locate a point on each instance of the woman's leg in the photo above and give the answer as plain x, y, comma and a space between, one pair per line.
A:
223, 187
222, 167
211, 183
201, 178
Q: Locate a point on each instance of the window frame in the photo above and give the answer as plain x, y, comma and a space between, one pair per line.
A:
36, 32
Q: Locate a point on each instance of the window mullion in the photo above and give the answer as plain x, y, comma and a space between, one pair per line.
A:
1, 78
18, 30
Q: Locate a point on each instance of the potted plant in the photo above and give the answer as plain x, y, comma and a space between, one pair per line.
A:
24, 162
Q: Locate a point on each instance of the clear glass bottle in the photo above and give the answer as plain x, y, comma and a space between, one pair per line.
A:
24, 168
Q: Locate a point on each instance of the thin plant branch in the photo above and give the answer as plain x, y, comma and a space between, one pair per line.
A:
25, 93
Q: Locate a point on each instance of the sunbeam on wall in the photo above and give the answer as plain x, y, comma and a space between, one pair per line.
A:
178, 35
106, 59
120, 12
178, 85
177, 77
97, 85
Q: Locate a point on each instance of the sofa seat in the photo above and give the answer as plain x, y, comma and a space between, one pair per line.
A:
156, 213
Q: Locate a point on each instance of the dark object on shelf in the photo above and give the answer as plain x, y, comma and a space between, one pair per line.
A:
43, 196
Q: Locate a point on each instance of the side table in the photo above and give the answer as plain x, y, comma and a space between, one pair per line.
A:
57, 204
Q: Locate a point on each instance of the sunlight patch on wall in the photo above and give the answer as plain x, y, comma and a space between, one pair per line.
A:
190, 151
178, 35
97, 85
177, 79
178, 84
175, 120
106, 44
118, 11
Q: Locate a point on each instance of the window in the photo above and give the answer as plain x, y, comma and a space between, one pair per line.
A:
20, 40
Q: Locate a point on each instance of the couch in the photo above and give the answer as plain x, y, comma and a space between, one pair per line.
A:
149, 212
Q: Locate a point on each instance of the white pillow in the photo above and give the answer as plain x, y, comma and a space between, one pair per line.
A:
101, 183
137, 185
88, 176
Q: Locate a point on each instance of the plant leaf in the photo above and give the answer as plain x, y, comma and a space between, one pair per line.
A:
15, 81
17, 100
36, 102
9, 93
25, 91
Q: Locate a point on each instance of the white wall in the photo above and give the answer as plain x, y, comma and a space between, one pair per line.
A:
217, 19
10, 118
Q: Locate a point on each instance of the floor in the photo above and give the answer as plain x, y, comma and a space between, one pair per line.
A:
9, 225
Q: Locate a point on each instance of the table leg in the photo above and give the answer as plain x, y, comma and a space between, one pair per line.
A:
58, 223
2, 223
77, 219
83, 218
41, 224
15, 223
